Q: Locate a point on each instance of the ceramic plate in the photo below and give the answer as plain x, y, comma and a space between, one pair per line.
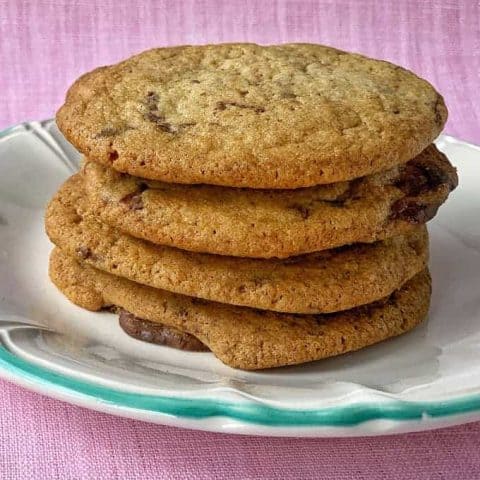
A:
425, 379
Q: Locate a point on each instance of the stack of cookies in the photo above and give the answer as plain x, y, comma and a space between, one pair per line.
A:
267, 204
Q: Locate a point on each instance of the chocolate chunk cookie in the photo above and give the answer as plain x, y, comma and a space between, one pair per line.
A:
245, 115
272, 223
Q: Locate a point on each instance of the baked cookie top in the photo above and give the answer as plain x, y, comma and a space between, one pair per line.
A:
272, 223
321, 282
243, 337
245, 115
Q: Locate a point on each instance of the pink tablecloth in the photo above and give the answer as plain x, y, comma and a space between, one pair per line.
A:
46, 44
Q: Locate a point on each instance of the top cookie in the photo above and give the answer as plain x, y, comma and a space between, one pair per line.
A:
244, 115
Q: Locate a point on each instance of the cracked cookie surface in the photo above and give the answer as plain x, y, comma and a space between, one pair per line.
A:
244, 115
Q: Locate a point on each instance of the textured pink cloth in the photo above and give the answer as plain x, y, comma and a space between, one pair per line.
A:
46, 44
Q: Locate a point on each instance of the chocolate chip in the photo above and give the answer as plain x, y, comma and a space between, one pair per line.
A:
412, 180
420, 177
413, 211
438, 176
134, 199
151, 100
155, 116
113, 155
158, 119
167, 127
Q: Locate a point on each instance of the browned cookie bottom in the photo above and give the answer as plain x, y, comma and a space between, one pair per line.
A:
158, 333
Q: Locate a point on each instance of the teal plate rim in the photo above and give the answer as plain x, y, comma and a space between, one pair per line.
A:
29, 374
251, 412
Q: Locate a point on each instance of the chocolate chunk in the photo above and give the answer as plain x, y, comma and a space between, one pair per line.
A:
162, 124
154, 115
158, 333
134, 199
438, 176
159, 120
420, 177
151, 100
413, 211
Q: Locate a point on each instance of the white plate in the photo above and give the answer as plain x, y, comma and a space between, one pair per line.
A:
426, 379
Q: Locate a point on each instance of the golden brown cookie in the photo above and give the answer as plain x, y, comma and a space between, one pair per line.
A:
245, 115
272, 223
321, 282
243, 337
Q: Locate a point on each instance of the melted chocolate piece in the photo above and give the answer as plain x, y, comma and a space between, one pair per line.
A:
422, 178
158, 333
134, 199
413, 211
155, 116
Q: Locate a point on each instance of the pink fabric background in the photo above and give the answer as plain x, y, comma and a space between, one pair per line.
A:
46, 44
